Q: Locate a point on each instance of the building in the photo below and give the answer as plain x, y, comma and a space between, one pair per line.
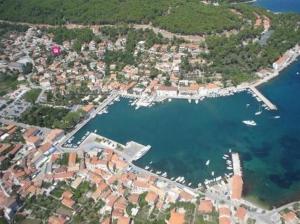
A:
290, 218
205, 207
236, 184
151, 198
224, 215
241, 215
166, 91
176, 217
54, 135
281, 62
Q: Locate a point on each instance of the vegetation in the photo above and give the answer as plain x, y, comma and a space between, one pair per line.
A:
175, 15
8, 82
51, 117
32, 95
191, 17
238, 57
79, 36
6, 28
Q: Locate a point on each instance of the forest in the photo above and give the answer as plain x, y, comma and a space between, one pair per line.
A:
183, 16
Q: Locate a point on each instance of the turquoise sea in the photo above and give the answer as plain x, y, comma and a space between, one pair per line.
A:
185, 135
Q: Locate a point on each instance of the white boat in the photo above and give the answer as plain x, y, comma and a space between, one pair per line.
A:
298, 73
247, 105
212, 173
150, 162
172, 178
229, 168
249, 122
190, 100
258, 113
158, 172
196, 101
229, 150
169, 99
189, 184
276, 117
164, 174
146, 167
207, 162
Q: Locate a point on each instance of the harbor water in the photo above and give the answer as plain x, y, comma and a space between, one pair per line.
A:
184, 136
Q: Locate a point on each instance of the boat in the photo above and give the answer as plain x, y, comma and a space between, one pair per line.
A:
196, 101
207, 162
190, 184
258, 113
276, 117
247, 105
146, 167
298, 73
229, 168
249, 122
150, 162
172, 178
189, 100
169, 99
164, 174
212, 173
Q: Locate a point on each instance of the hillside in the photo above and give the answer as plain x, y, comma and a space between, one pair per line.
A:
181, 16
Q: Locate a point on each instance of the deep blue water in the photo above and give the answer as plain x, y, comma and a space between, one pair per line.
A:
280, 5
184, 136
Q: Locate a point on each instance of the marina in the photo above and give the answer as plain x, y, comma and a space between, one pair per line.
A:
183, 152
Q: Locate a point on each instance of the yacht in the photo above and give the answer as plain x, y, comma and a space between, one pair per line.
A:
249, 122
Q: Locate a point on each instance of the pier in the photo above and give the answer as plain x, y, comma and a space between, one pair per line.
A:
269, 104
236, 164
101, 107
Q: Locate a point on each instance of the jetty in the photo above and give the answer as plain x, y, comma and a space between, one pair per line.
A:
236, 164
258, 94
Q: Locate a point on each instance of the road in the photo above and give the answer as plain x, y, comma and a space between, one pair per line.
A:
164, 33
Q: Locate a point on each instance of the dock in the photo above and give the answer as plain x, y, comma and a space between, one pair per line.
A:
236, 164
135, 150
269, 104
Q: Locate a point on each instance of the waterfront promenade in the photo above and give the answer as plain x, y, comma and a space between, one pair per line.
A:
101, 107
